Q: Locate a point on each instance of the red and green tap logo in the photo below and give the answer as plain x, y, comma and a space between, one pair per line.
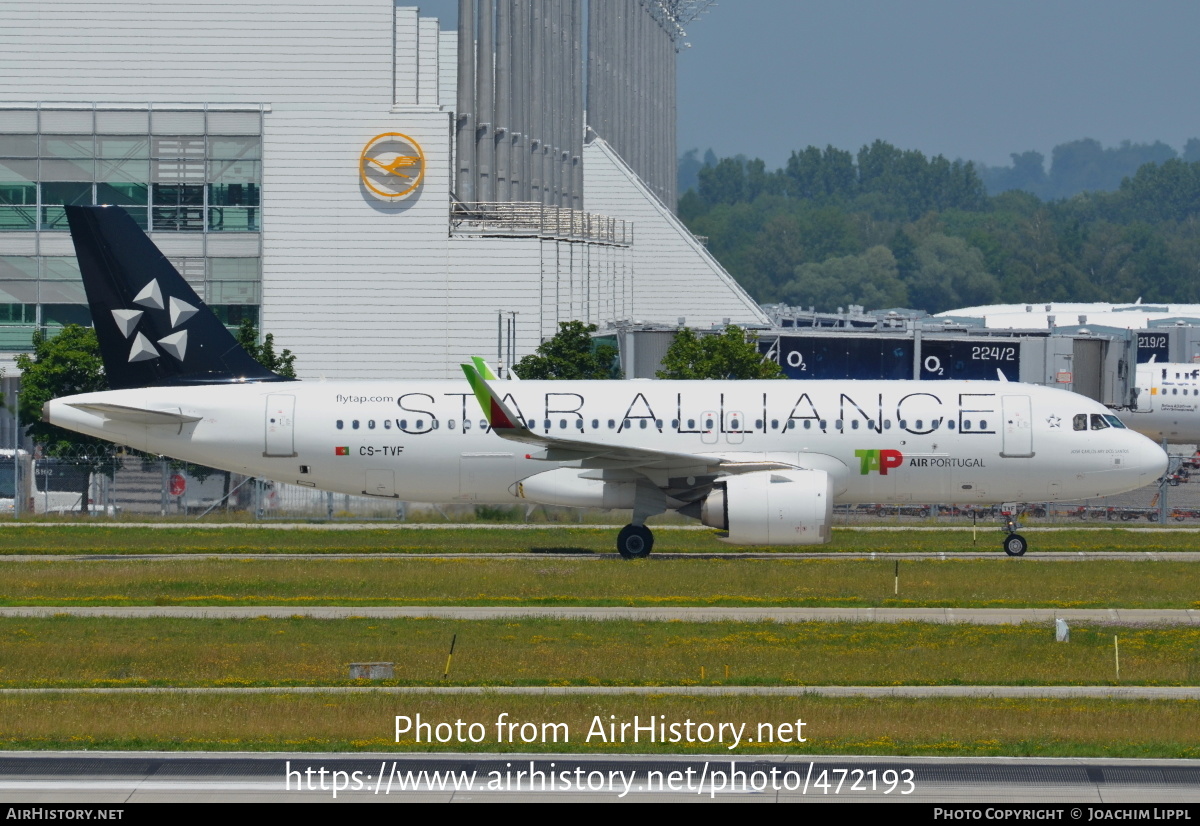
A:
880, 460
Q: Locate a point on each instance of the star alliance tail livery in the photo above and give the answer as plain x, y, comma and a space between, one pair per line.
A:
764, 461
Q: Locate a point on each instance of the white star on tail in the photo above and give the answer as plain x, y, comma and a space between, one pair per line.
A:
150, 296
175, 344
126, 320
142, 349
181, 311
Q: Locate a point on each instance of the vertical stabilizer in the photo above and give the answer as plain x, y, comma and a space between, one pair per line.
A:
152, 327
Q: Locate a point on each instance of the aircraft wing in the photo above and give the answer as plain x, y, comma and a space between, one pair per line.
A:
601, 455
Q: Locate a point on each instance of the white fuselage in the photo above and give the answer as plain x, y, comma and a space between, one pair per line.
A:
879, 441
1168, 403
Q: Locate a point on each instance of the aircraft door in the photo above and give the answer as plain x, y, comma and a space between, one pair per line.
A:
1018, 427
708, 427
1143, 402
280, 426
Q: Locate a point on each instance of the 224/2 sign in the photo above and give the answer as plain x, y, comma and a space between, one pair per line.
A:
983, 353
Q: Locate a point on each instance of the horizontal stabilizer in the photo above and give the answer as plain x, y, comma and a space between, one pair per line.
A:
136, 415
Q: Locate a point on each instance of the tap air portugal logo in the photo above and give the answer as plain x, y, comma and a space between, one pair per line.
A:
141, 348
880, 460
391, 165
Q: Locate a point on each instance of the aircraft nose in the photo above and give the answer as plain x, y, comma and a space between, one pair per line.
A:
1148, 459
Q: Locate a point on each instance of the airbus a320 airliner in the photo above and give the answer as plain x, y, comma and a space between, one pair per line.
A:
1167, 404
764, 461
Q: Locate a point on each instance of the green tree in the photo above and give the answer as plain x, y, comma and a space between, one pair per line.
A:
571, 354
66, 364
282, 363
731, 354
871, 279
950, 273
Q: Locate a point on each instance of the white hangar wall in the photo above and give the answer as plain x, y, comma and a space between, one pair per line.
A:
355, 285
676, 275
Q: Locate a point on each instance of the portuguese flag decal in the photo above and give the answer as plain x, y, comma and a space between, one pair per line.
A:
341, 451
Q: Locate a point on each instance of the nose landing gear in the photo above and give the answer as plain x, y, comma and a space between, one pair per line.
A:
1014, 543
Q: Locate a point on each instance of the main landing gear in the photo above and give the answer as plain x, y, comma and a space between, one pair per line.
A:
635, 542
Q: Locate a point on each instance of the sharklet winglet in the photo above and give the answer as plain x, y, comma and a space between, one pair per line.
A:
498, 415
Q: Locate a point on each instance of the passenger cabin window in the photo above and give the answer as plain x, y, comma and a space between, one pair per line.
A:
354, 424
370, 424
339, 424
1099, 422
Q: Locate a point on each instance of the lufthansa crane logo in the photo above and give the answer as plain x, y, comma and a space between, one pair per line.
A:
391, 165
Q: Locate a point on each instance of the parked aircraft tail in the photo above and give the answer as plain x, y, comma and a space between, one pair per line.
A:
152, 327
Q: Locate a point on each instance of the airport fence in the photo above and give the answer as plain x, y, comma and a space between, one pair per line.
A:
123, 484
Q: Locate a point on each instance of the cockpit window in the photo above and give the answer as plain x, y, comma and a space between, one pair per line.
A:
1114, 421
1099, 422
1080, 421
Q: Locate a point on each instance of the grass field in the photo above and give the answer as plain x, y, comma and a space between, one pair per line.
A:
61, 652
366, 722
668, 581
189, 539
97, 652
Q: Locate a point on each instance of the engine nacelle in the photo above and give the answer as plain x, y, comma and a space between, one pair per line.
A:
564, 486
772, 507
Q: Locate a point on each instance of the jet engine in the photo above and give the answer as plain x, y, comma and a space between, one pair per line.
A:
775, 507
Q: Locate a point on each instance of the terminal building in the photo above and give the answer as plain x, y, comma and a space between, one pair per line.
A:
1090, 349
386, 196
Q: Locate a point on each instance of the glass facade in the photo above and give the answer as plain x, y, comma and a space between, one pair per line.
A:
189, 171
